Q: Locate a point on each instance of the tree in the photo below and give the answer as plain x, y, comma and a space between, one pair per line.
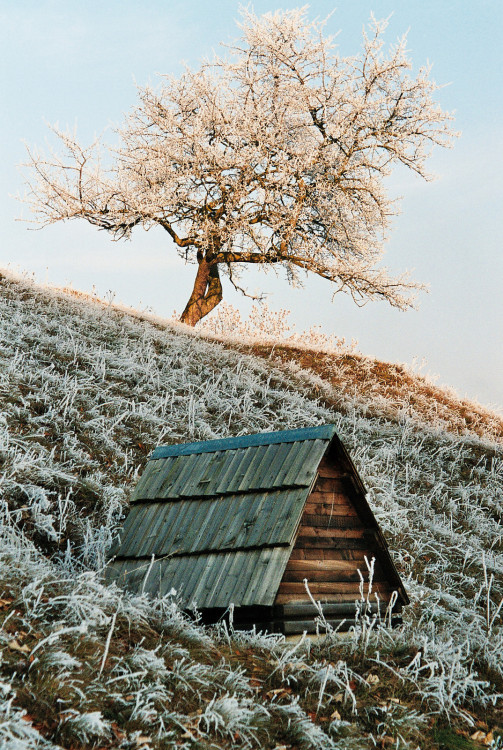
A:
274, 156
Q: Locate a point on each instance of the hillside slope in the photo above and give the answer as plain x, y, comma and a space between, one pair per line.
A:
87, 392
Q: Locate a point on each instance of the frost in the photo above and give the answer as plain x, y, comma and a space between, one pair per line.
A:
89, 726
87, 392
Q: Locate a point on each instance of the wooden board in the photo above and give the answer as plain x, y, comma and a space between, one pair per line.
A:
327, 509
346, 524
329, 554
351, 541
320, 587
302, 610
327, 598
334, 521
330, 547
328, 576
330, 498
290, 627
327, 470
306, 566
328, 484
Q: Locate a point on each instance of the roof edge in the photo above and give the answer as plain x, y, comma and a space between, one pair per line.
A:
322, 432
198, 553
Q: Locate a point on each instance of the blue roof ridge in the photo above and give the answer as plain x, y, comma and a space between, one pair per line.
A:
321, 432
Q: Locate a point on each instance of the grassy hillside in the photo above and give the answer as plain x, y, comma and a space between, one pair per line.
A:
87, 392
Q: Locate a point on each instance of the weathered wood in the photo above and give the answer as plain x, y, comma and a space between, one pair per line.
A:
325, 508
343, 523
307, 566
330, 498
356, 532
349, 542
291, 627
314, 565
327, 484
332, 472
334, 521
328, 576
320, 587
349, 597
330, 549
306, 609
300, 553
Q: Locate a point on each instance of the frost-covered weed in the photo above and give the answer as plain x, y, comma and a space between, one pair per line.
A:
266, 326
229, 715
15, 732
446, 679
88, 726
394, 720
301, 728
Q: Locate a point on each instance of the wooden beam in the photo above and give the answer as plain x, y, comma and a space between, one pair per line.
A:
349, 597
348, 524
331, 554
351, 541
328, 565
306, 609
320, 587
290, 627
329, 576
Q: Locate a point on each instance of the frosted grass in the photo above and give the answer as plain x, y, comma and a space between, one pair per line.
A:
87, 392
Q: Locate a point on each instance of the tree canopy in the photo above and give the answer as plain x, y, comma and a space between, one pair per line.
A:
275, 154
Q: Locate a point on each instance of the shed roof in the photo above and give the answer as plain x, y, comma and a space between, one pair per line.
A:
219, 516
217, 520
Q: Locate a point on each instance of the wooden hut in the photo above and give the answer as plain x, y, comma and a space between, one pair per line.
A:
246, 520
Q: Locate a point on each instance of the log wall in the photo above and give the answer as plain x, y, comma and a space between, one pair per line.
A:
331, 545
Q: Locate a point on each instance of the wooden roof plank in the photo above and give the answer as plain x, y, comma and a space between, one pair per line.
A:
208, 474
270, 568
260, 517
285, 518
183, 471
293, 470
173, 539
150, 470
314, 452
248, 469
275, 466
208, 572
143, 516
227, 479
153, 488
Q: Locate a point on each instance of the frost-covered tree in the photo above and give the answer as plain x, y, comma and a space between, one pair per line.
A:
275, 155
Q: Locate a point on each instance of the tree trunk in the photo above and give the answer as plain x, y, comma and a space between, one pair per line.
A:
206, 294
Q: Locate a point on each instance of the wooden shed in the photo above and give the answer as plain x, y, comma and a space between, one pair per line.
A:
245, 520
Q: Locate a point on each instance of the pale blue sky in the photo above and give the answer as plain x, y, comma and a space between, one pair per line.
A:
68, 62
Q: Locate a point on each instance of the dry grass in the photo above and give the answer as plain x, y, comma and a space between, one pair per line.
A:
386, 389
383, 388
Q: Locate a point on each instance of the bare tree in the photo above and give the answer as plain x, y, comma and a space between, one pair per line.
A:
275, 155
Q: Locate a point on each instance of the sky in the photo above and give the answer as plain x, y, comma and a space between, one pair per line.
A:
78, 64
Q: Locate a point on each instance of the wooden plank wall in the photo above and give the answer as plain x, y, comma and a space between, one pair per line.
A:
331, 546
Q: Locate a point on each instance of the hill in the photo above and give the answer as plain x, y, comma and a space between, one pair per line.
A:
87, 391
